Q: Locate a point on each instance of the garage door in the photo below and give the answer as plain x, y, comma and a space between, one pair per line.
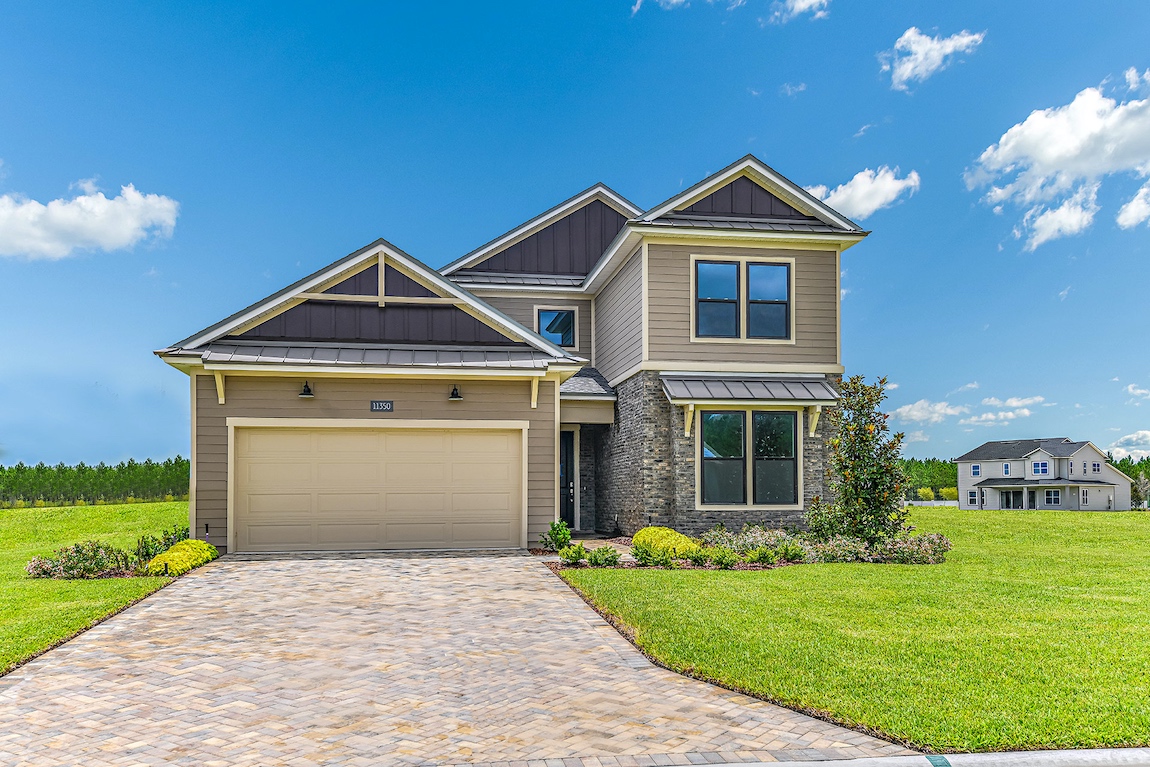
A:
357, 489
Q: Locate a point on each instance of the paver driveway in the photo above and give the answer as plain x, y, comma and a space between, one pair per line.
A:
381, 660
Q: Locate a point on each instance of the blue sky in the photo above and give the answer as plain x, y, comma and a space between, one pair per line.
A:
1008, 263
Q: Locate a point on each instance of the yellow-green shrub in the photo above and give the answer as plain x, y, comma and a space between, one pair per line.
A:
664, 539
183, 557
925, 494
948, 493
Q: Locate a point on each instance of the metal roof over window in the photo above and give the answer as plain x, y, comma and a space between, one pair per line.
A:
805, 391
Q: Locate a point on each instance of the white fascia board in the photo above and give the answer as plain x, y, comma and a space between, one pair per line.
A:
367, 371
504, 287
598, 192
767, 177
622, 246
845, 239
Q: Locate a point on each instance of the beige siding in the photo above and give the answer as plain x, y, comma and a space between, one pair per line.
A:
815, 306
619, 320
265, 397
522, 310
587, 411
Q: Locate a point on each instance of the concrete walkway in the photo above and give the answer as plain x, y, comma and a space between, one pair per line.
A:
382, 660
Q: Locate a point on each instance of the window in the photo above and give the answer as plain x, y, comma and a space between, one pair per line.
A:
1071, 463
972, 498
768, 307
1085, 497
776, 480
1006, 469
1053, 497
723, 465
1041, 467
1084, 467
772, 444
1096, 467
557, 326
717, 299
976, 469
743, 300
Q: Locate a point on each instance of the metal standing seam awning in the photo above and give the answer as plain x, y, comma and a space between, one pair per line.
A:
690, 391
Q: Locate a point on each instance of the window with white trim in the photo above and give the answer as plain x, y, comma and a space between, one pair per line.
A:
1072, 468
972, 498
976, 469
1006, 469
557, 326
1085, 497
1053, 497
1096, 467
770, 478
1041, 467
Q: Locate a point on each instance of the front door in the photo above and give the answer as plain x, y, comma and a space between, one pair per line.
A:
567, 477
1030, 500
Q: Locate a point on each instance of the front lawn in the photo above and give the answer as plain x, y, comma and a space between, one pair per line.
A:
38, 613
1035, 633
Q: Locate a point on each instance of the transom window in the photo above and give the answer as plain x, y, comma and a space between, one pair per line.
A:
976, 470
557, 326
771, 442
729, 294
1053, 497
1006, 469
1041, 467
1096, 467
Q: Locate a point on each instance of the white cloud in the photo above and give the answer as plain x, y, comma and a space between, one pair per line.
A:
843, 292
784, 11
863, 130
1135, 81
1136, 210
89, 221
1059, 155
917, 56
791, 90
867, 192
925, 411
1073, 216
916, 436
1136, 445
891, 386
965, 387
1062, 294
1013, 401
1135, 391
1001, 418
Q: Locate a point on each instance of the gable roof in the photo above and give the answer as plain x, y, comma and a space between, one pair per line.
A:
764, 176
599, 192
1016, 449
380, 250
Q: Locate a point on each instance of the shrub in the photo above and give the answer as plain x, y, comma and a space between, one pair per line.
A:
182, 557
790, 550
927, 549
604, 556
665, 539
751, 537
925, 494
948, 493
724, 558
149, 546
88, 559
764, 555
18, 503
699, 557
573, 554
557, 537
649, 556
839, 548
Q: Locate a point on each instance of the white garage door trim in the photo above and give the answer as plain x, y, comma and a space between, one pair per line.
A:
236, 422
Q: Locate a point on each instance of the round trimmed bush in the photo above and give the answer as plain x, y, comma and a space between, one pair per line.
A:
664, 539
182, 557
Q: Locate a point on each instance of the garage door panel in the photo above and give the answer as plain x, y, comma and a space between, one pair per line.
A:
332, 489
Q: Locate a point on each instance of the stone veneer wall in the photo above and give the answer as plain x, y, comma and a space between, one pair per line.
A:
647, 474
589, 438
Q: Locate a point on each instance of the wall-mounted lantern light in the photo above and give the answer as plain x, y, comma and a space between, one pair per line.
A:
306, 392
455, 395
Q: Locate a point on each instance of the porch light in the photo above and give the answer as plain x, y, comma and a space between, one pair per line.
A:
306, 393
455, 395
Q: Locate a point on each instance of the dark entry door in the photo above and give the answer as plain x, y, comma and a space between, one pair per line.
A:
1030, 500
567, 477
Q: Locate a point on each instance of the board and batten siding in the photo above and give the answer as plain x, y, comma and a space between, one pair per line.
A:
815, 305
619, 320
522, 310
268, 397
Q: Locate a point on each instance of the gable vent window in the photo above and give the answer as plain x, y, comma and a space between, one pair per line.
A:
768, 301
717, 299
558, 326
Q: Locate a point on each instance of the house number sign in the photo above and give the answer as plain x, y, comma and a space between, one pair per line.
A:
382, 405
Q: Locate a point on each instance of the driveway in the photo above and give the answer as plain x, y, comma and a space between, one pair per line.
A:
381, 660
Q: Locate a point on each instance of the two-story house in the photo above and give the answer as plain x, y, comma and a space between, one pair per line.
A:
1054, 473
601, 364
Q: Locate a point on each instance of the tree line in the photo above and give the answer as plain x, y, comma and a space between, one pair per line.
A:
124, 482
933, 473
1139, 473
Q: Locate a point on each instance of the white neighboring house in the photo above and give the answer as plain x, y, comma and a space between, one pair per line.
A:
1055, 473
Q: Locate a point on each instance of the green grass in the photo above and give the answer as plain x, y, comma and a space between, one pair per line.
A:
38, 613
1034, 634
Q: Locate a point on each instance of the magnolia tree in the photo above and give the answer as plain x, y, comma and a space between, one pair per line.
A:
866, 475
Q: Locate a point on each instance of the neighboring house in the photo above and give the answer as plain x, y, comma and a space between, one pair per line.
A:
1054, 473
600, 364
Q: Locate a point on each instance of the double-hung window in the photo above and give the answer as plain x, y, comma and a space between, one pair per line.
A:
972, 498
743, 299
976, 470
1071, 464
1053, 497
717, 299
1096, 467
769, 438
1085, 497
1041, 467
1006, 469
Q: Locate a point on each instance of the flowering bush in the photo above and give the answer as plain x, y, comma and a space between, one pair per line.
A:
751, 537
926, 549
88, 559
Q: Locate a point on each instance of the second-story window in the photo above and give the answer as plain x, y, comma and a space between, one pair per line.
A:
558, 326
1006, 469
1096, 467
768, 301
1041, 467
976, 470
716, 299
